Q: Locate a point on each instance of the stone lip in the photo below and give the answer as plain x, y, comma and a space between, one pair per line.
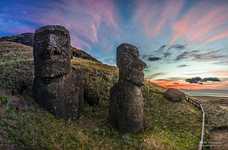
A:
174, 95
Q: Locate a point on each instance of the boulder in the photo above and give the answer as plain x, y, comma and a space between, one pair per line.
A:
174, 95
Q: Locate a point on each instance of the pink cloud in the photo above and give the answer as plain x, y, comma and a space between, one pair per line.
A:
77, 43
221, 73
155, 16
102, 10
217, 37
88, 20
203, 21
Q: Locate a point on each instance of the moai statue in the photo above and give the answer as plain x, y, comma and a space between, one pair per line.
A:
54, 87
126, 101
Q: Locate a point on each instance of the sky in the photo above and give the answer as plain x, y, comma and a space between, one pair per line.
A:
183, 42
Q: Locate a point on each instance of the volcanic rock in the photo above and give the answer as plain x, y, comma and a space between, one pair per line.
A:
126, 101
174, 95
81, 54
25, 39
54, 87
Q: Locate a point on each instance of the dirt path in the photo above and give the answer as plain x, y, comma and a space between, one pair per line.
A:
216, 109
220, 140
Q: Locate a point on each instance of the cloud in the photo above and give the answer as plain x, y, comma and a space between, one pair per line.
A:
166, 54
153, 59
161, 48
154, 15
146, 70
217, 37
147, 67
201, 80
211, 79
110, 61
181, 66
194, 80
210, 55
183, 55
89, 21
154, 75
205, 21
177, 46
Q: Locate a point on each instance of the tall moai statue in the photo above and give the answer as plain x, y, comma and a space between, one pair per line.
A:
126, 101
54, 86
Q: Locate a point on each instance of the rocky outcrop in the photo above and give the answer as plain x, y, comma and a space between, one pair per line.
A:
55, 88
81, 54
126, 101
25, 39
174, 95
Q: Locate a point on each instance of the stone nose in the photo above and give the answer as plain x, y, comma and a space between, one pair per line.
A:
51, 46
140, 64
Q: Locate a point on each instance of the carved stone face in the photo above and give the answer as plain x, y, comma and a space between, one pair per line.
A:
130, 65
51, 51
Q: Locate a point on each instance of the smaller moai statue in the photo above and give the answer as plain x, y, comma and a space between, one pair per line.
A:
126, 101
54, 87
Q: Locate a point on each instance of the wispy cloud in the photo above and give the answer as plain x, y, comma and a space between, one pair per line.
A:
195, 55
155, 16
87, 20
203, 22
151, 76
181, 66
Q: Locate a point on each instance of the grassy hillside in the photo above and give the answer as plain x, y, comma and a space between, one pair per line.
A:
168, 125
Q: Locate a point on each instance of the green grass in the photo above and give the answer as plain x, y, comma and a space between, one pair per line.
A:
167, 125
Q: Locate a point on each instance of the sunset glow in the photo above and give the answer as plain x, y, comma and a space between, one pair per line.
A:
183, 42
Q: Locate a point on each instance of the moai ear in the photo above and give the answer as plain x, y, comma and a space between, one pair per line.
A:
71, 55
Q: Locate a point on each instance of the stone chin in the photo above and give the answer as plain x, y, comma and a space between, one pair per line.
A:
136, 78
52, 69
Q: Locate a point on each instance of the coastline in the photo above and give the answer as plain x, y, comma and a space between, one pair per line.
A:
206, 93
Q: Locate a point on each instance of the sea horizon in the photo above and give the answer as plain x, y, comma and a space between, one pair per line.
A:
206, 92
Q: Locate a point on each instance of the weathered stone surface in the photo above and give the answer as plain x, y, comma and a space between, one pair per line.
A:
130, 65
59, 96
52, 51
126, 101
54, 86
174, 95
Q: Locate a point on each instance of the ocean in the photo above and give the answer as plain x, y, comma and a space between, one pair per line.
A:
206, 92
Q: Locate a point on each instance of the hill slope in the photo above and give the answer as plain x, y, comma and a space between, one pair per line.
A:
28, 40
168, 125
